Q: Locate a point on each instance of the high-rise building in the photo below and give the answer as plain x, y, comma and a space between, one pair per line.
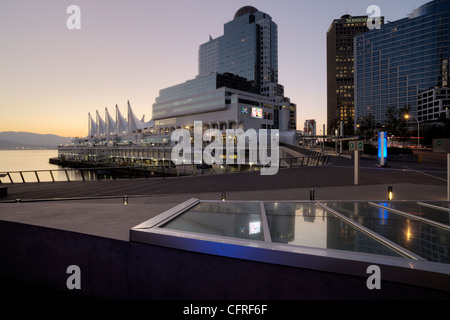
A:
397, 65
340, 77
310, 128
248, 48
237, 85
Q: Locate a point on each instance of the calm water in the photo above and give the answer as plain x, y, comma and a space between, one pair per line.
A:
24, 160
20, 160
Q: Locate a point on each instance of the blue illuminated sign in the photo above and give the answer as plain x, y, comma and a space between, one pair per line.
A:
382, 149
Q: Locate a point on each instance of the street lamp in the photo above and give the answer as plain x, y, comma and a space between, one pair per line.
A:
418, 129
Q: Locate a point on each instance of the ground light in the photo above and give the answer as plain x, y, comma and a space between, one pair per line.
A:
390, 193
125, 200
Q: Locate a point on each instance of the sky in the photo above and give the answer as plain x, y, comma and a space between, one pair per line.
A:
51, 76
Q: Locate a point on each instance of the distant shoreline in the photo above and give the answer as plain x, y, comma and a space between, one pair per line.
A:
27, 148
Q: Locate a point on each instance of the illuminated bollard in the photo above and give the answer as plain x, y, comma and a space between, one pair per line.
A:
390, 193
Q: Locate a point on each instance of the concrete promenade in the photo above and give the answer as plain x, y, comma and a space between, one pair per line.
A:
88, 225
334, 181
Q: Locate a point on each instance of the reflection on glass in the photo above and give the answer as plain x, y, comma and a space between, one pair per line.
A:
418, 210
307, 224
442, 204
237, 220
427, 241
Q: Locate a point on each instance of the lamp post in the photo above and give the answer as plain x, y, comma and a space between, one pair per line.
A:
418, 129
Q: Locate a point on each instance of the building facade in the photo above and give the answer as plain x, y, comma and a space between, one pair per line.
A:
310, 128
222, 102
397, 64
237, 85
434, 104
248, 48
340, 73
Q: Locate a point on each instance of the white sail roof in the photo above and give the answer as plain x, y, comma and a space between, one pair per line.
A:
101, 125
121, 123
92, 126
110, 123
134, 123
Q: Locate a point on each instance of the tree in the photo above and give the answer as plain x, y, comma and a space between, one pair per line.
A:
348, 126
403, 130
367, 126
392, 120
397, 122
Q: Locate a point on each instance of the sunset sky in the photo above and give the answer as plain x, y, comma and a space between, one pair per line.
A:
52, 77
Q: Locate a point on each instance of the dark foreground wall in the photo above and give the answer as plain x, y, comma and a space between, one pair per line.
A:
114, 269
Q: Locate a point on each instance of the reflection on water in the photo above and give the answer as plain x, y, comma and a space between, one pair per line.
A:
34, 166
307, 224
29, 161
427, 241
22, 160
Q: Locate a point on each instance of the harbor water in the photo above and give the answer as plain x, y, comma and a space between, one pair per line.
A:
23, 160
30, 161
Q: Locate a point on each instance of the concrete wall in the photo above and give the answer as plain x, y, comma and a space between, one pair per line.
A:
114, 269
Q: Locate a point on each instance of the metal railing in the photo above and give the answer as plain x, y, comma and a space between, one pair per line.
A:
316, 160
124, 172
88, 174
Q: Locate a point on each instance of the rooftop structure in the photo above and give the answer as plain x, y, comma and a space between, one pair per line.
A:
108, 128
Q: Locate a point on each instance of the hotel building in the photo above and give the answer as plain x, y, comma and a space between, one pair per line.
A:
403, 63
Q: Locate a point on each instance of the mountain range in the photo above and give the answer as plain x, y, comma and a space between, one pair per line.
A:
29, 140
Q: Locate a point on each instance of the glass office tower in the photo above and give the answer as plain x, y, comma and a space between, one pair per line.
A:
396, 64
248, 48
